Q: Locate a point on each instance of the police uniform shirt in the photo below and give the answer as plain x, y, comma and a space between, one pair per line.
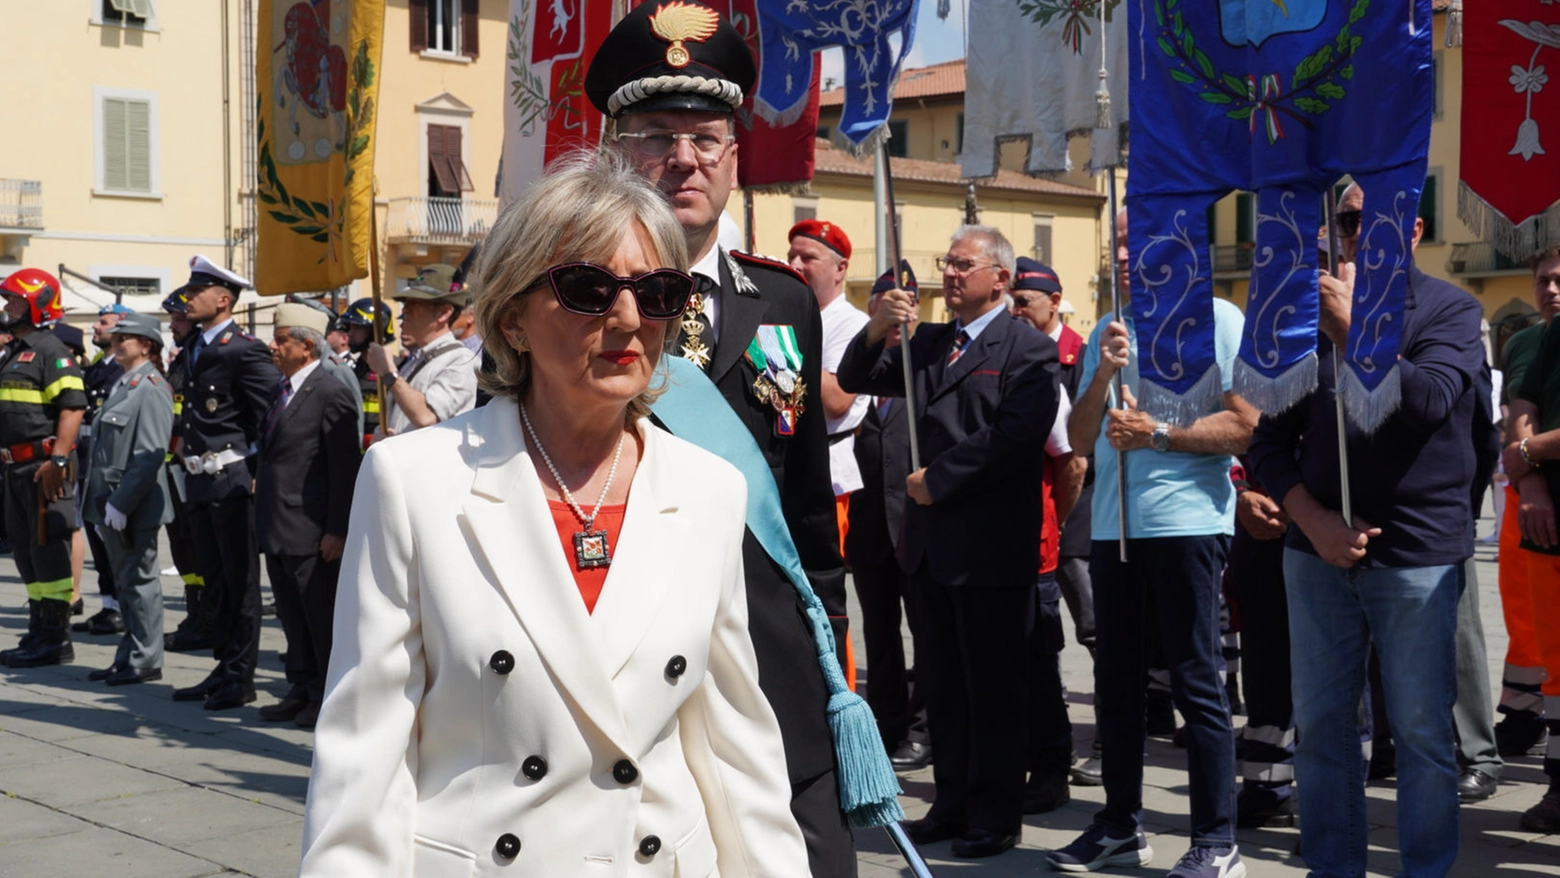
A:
39, 380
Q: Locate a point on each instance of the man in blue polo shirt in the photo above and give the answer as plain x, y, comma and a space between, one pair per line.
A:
1180, 508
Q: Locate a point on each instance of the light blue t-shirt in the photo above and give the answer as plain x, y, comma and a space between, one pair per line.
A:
1169, 494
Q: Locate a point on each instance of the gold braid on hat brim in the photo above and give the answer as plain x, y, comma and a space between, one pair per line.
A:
636, 91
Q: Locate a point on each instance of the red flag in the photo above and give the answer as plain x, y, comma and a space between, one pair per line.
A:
775, 157
1510, 172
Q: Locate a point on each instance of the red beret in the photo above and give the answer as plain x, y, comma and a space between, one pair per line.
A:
830, 234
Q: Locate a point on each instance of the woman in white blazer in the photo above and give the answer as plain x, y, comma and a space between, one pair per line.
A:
490, 708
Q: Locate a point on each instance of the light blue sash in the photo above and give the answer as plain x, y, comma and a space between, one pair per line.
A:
693, 409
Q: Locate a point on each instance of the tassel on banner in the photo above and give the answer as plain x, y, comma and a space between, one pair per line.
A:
1180, 410
1368, 409
1454, 15
1273, 394
1520, 241
943, 8
1102, 119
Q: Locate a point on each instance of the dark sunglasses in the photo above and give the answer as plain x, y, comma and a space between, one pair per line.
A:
1021, 301
588, 289
1348, 222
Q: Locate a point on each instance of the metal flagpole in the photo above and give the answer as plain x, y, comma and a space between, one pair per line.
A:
896, 253
749, 234
918, 867
1121, 399
1334, 256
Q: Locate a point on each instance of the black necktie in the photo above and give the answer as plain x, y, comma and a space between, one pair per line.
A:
696, 338
196, 346
278, 405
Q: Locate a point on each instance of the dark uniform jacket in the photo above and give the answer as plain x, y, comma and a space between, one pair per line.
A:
226, 396
308, 464
99, 377
981, 423
38, 379
771, 293
877, 510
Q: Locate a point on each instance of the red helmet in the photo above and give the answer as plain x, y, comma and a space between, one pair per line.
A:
42, 292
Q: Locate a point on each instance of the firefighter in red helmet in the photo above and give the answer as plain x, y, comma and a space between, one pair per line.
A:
42, 399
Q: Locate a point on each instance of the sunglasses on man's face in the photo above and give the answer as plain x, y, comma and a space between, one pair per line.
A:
1348, 222
590, 290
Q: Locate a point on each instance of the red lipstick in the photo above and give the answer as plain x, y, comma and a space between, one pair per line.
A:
620, 358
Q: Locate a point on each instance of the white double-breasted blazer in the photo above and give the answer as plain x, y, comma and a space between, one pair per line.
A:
479, 721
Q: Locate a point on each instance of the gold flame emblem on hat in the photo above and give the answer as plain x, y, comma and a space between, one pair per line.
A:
678, 21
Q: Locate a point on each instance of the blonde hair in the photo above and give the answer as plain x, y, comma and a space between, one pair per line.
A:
577, 212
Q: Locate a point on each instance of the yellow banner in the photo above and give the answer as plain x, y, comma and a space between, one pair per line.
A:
317, 75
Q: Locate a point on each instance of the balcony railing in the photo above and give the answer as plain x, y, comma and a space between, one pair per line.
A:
1232, 259
427, 220
1481, 259
21, 203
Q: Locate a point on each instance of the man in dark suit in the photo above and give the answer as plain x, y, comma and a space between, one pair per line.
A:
675, 123
228, 392
985, 390
871, 542
303, 494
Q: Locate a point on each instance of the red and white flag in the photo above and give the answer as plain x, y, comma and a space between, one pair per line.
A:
777, 155
1509, 191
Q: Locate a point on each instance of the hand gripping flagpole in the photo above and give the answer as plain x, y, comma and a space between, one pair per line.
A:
1334, 253
1103, 121
896, 253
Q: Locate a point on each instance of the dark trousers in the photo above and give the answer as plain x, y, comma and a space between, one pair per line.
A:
1050, 729
880, 587
1256, 571
180, 544
43, 565
1183, 574
1072, 574
305, 590
973, 671
224, 537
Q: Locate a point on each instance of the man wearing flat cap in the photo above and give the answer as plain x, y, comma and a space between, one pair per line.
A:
439, 381
309, 455
227, 392
669, 77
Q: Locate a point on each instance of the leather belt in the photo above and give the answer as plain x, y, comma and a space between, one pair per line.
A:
26, 452
212, 462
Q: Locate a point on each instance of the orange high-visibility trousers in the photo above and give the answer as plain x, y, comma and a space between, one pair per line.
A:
1524, 663
1544, 579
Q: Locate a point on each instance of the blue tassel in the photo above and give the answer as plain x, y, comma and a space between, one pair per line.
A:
869, 789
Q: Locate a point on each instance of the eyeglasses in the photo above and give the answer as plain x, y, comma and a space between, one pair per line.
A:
1022, 301
590, 290
1348, 222
960, 265
659, 143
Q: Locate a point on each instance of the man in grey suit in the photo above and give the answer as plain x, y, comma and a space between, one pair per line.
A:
309, 456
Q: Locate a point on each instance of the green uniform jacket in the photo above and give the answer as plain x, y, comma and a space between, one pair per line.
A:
129, 440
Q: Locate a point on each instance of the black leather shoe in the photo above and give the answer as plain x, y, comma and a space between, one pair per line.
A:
1045, 793
1474, 785
191, 641
285, 710
1263, 811
77, 607
909, 756
929, 830
309, 716
984, 843
231, 694
199, 691
1521, 733
1383, 762
1087, 773
104, 621
129, 676
104, 674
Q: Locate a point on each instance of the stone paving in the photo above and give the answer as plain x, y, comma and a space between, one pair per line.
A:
104, 781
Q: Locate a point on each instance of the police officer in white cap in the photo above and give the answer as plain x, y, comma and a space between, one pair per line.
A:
228, 391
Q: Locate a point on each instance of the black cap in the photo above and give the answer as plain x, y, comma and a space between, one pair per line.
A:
1035, 275
905, 281
671, 55
71, 336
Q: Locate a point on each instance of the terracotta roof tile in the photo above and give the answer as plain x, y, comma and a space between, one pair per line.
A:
939, 80
830, 160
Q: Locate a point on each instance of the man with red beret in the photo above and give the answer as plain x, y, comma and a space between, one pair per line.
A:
820, 252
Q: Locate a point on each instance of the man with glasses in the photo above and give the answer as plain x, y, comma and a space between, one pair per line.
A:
1391, 578
439, 380
1180, 511
754, 328
985, 390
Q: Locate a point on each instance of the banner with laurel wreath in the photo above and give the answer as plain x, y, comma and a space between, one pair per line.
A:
1282, 98
317, 85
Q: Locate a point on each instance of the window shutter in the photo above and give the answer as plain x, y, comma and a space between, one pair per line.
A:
1043, 241
418, 10
469, 17
115, 159
443, 181
138, 149
452, 158
141, 8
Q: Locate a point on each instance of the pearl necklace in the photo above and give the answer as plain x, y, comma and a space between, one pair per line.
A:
590, 546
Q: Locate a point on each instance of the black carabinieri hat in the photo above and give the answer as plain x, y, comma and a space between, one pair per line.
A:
670, 55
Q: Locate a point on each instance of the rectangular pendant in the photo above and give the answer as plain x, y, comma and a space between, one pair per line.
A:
785, 421
591, 549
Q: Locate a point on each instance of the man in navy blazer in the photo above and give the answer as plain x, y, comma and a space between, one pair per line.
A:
985, 391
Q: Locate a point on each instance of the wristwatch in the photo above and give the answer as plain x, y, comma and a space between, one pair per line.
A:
390, 381
1161, 438
60, 460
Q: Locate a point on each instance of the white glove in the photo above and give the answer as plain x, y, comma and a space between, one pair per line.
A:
113, 517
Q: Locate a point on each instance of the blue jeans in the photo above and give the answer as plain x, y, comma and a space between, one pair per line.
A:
1410, 615
1172, 584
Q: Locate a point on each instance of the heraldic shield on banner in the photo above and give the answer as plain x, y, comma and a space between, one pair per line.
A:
1282, 98
317, 81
